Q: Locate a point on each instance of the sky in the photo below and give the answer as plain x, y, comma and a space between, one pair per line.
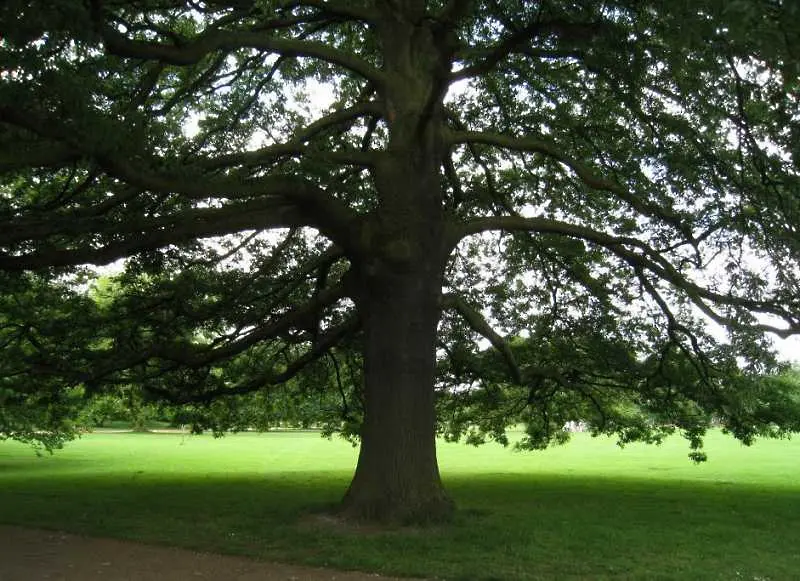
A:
789, 349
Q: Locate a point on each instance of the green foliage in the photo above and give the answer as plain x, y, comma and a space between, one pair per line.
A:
307, 401
41, 420
590, 183
769, 408
36, 406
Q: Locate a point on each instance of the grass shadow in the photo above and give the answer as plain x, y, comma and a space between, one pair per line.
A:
508, 526
567, 515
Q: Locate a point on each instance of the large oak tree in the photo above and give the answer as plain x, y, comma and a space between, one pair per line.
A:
369, 193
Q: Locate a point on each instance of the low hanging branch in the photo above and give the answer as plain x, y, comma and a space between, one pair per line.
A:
478, 323
268, 378
648, 258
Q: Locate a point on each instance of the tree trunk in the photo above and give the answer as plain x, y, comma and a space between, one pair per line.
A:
400, 281
397, 476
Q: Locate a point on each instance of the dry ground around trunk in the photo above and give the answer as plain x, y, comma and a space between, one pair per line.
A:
36, 555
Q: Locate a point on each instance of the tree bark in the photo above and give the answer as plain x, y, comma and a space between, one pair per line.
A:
400, 277
397, 476
399, 300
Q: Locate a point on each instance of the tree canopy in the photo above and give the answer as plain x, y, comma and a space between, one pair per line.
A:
363, 196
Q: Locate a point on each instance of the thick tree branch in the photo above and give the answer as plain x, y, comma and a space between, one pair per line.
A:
153, 233
584, 173
645, 257
519, 41
295, 146
270, 377
454, 11
539, 225
322, 346
493, 55
478, 324
340, 117
23, 156
313, 206
271, 153
342, 8
298, 203
186, 355
191, 52
301, 316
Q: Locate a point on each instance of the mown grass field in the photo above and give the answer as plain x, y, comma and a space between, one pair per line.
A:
585, 511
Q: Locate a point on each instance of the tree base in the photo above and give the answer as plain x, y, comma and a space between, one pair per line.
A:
432, 509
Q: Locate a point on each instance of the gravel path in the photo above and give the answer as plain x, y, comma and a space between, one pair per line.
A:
35, 555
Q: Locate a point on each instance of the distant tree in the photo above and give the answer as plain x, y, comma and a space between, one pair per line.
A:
598, 179
775, 401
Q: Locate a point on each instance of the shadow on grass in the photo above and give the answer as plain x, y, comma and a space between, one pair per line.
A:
509, 526
23, 467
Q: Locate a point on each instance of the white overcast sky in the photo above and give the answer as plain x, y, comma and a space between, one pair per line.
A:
789, 349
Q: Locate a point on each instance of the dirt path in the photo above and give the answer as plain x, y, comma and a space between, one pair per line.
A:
35, 555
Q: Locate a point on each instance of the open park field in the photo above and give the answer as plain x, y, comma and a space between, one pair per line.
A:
584, 511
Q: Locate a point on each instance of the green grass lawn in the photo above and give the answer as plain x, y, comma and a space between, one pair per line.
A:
585, 511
